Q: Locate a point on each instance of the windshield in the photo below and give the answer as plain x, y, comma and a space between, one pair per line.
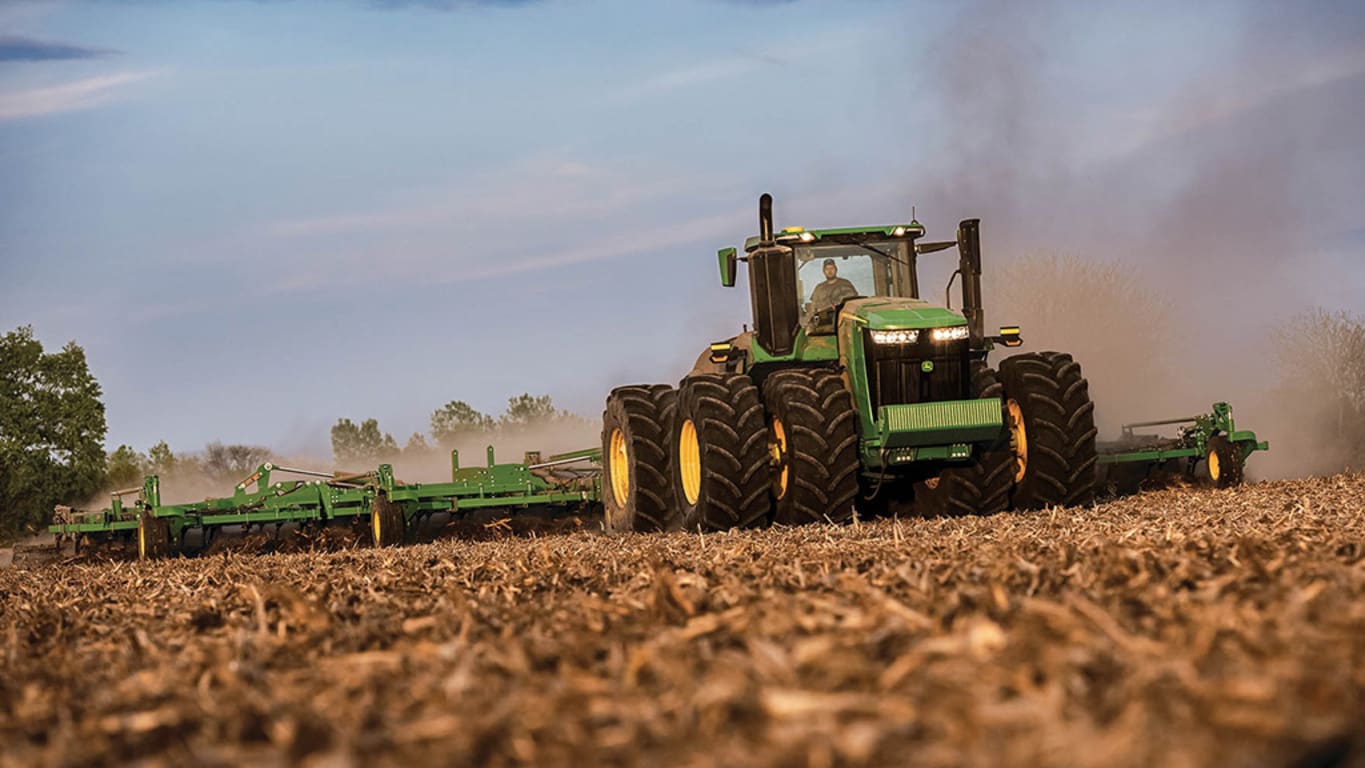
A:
829, 274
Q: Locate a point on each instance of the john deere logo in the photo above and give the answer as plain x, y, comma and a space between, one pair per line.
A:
927, 366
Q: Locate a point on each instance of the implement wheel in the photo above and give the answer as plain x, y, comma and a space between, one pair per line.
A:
153, 537
1052, 429
1225, 462
387, 526
721, 464
637, 494
813, 447
981, 488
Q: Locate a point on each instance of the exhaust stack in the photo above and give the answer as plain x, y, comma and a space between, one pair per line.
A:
969, 264
765, 219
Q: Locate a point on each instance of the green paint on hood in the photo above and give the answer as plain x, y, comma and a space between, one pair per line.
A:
902, 314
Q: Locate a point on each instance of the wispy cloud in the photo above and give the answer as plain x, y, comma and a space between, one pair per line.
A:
460, 233
67, 97
572, 189
472, 261
711, 71
19, 48
1223, 97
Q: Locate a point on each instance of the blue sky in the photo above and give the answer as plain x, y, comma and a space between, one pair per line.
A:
258, 217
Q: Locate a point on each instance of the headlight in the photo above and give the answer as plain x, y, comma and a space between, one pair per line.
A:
955, 333
895, 337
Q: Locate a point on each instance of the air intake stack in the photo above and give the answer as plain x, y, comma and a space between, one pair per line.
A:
772, 281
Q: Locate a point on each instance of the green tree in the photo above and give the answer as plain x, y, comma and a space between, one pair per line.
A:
125, 467
51, 430
417, 443
362, 442
457, 419
527, 410
161, 461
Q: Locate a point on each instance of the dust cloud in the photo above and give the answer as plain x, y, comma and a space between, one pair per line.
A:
1185, 244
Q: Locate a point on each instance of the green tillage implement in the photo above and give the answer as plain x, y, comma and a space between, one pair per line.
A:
1211, 440
572, 481
390, 505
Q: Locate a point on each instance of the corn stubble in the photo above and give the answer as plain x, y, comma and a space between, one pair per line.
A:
1180, 627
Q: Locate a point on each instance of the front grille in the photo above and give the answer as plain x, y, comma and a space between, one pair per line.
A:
895, 377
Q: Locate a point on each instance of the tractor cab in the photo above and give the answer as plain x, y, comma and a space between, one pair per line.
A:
835, 265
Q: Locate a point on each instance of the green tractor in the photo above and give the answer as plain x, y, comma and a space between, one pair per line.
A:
851, 391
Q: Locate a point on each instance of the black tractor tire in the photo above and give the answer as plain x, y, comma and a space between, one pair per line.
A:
814, 438
1058, 420
1224, 462
153, 537
388, 528
637, 491
720, 459
980, 488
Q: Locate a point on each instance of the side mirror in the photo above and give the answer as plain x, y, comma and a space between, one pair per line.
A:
728, 264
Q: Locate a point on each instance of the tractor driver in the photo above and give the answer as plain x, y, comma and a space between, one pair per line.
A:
834, 290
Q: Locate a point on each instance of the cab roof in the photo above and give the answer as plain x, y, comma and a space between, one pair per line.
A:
792, 235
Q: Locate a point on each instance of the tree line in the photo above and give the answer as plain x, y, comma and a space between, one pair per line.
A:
454, 423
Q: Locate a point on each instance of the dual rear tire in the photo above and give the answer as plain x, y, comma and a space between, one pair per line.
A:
710, 456
637, 492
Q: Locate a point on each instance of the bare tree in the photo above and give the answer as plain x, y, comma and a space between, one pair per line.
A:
1321, 392
232, 462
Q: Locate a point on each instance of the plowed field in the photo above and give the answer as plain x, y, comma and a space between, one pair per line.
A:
1178, 627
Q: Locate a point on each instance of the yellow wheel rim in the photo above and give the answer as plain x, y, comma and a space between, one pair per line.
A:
1214, 469
619, 466
689, 461
374, 522
777, 448
1018, 438
142, 539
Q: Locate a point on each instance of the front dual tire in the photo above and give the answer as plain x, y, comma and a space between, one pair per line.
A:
721, 464
717, 454
814, 446
982, 487
1052, 420
1050, 458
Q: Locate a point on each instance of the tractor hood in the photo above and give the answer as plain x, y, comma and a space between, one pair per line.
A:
894, 313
